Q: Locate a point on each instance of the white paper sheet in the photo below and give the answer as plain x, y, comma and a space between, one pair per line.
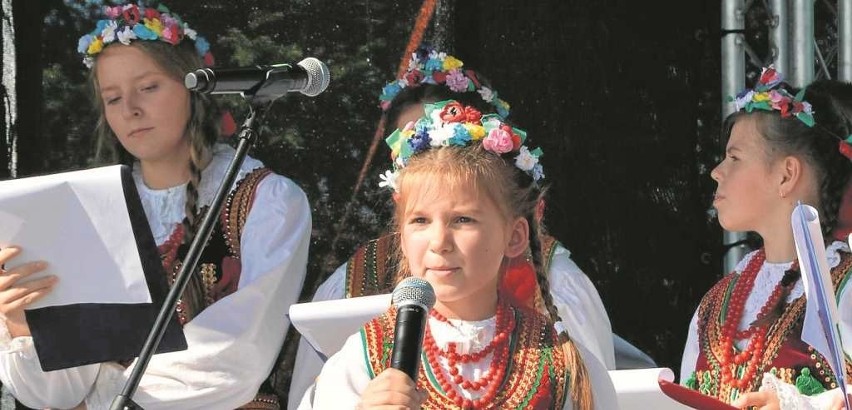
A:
78, 222
326, 325
639, 389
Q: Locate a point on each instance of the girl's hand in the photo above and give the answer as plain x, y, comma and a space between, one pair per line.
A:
391, 389
15, 296
762, 400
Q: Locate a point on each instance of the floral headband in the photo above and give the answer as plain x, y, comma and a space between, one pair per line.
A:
768, 96
449, 123
131, 22
429, 66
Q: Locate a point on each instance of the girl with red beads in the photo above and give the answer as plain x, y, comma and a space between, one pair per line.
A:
783, 147
466, 190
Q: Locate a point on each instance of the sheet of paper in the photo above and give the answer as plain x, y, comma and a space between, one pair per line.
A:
78, 222
639, 389
326, 325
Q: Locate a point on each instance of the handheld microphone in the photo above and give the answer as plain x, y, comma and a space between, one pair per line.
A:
309, 77
413, 298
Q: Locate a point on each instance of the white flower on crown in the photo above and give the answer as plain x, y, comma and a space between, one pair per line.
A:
486, 93
402, 82
439, 136
189, 32
388, 179
108, 34
525, 160
126, 35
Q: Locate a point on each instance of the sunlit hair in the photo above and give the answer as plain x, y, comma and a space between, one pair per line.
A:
202, 131
443, 170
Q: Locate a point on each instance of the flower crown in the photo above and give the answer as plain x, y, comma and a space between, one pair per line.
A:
429, 66
769, 95
449, 123
131, 22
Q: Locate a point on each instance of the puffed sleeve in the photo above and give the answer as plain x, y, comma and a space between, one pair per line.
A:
580, 307
690, 350
234, 342
308, 362
20, 372
343, 377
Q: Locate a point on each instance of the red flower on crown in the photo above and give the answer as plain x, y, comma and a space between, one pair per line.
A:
131, 15
472, 114
452, 112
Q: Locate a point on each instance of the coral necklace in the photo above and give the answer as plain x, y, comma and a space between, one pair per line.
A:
491, 379
753, 352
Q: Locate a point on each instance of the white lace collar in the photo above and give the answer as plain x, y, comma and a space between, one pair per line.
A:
164, 208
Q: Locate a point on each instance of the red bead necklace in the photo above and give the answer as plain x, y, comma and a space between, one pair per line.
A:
753, 352
491, 379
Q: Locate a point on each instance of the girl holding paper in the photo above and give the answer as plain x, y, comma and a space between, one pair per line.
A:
234, 309
783, 147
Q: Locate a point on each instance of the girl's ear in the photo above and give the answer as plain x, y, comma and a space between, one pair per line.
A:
791, 175
519, 238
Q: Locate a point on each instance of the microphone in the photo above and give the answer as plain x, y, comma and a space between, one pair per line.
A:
309, 77
413, 298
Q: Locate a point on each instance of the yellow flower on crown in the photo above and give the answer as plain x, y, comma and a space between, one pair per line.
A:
758, 97
95, 46
477, 132
451, 63
154, 25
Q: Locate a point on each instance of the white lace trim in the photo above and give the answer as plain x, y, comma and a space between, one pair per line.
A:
10, 345
769, 276
164, 208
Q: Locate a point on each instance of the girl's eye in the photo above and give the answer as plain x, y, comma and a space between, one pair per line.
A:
112, 100
418, 220
150, 87
464, 219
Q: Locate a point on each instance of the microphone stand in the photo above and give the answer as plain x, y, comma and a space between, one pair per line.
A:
259, 105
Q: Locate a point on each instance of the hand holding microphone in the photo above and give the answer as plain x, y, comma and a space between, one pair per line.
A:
412, 298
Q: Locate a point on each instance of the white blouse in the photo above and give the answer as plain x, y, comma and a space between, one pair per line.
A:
232, 344
768, 276
576, 299
345, 375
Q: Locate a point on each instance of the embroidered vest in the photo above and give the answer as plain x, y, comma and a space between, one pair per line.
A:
785, 354
219, 265
536, 373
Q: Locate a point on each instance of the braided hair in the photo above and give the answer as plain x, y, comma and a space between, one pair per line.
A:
515, 194
202, 131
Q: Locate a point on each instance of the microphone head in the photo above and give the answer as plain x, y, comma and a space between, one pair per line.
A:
318, 76
414, 291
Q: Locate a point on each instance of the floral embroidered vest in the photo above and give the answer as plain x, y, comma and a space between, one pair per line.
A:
536, 376
785, 354
219, 265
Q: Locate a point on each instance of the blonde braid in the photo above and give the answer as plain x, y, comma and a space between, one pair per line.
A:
579, 384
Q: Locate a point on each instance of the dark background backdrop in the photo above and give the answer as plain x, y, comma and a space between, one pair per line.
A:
623, 99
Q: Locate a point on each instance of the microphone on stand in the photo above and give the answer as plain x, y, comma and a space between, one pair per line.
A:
309, 77
413, 298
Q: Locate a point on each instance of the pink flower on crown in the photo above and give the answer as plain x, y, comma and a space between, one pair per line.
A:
171, 34
456, 81
498, 141
776, 99
112, 12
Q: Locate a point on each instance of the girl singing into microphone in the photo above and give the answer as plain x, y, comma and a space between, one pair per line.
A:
234, 309
466, 188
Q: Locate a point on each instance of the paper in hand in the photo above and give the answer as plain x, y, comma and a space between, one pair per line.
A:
820, 328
